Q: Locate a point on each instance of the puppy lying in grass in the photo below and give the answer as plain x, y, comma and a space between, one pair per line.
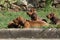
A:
53, 18
28, 23
13, 25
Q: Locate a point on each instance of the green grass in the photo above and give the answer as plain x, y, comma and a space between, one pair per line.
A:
6, 17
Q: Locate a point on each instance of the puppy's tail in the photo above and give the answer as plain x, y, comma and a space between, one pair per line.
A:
47, 24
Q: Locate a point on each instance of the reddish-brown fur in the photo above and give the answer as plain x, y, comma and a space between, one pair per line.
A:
33, 14
29, 23
12, 25
53, 18
20, 21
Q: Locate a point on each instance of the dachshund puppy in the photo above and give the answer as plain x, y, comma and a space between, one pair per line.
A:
20, 21
13, 25
28, 23
33, 14
37, 23
53, 18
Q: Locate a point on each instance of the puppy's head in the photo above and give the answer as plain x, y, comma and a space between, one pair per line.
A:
51, 15
20, 20
34, 16
31, 11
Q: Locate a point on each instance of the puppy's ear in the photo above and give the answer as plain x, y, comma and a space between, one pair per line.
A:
15, 21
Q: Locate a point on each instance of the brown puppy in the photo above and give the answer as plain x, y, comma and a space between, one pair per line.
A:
13, 25
53, 18
29, 24
33, 14
21, 21
37, 23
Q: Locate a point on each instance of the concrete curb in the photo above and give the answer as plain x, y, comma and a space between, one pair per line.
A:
30, 33
28, 39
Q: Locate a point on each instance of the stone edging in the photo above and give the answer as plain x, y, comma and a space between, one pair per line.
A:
30, 33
